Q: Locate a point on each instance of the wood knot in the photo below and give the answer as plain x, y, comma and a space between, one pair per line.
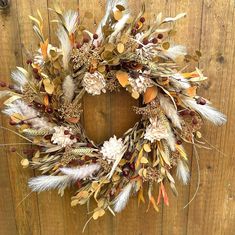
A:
4, 4
220, 59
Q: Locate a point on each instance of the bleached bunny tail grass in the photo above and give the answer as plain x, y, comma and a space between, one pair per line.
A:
80, 172
68, 88
119, 27
121, 200
22, 108
47, 182
169, 110
175, 51
183, 172
207, 111
110, 6
171, 140
179, 82
65, 46
71, 20
19, 76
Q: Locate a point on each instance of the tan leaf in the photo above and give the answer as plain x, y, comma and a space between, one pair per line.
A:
199, 134
74, 202
150, 94
117, 15
98, 213
101, 68
144, 160
120, 48
109, 46
95, 185
101, 203
48, 85
25, 163
147, 148
122, 77
166, 45
115, 178
135, 95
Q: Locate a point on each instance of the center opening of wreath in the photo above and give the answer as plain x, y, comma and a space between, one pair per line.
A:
108, 114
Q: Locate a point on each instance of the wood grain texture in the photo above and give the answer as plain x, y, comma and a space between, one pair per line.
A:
209, 27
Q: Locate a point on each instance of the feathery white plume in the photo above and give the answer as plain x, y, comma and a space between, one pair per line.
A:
19, 76
118, 27
68, 88
206, 111
110, 6
170, 110
122, 198
183, 171
22, 108
179, 82
175, 51
80, 172
171, 139
47, 182
65, 46
71, 20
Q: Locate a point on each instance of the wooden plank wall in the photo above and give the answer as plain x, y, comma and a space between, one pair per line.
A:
208, 27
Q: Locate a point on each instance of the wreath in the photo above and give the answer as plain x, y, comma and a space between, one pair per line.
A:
126, 52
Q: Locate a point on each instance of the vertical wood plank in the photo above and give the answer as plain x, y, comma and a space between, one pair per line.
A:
96, 112
55, 211
188, 34
7, 214
26, 213
213, 210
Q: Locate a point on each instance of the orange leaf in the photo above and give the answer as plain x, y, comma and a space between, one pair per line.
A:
72, 38
163, 193
159, 195
150, 94
152, 200
46, 100
191, 91
73, 120
122, 77
141, 196
44, 46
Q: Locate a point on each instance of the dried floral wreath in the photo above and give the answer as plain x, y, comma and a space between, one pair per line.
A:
125, 52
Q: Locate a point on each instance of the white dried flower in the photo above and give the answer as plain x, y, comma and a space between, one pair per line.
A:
60, 138
155, 131
94, 83
112, 149
141, 83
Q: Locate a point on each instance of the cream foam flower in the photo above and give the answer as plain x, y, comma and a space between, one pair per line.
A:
94, 83
60, 138
155, 131
141, 83
112, 149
